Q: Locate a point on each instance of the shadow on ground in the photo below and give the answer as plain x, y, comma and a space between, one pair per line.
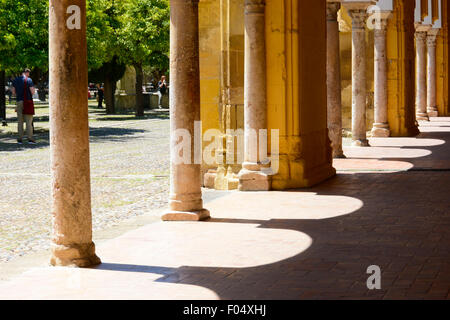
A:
8, 142
402, 227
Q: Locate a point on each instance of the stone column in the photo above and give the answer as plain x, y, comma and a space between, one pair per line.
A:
69, 136
185, 202
432, 109
252, 177
334, 105
380, 125
421, 77
358, 13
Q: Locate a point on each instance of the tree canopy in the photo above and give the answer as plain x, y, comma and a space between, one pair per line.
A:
134, 31
23, 35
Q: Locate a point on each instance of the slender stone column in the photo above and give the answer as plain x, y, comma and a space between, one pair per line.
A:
359, 16
185, 202
421, 76
334, 104
380, 125
432, 109
69, 136
251, 177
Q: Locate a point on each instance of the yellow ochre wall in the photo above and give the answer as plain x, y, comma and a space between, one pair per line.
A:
210, 64
442, 64
296, 91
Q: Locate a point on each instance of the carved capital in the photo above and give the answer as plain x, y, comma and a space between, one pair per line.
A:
332, 10
359, 18
420, 36
431, 40
254, 6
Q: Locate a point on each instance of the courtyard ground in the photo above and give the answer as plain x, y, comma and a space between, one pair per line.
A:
129, 167
388, 206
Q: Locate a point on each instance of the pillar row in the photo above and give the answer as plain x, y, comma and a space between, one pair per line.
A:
334, 102
380, 125
252, 177
69, 136
358, 14
432, 109
421, 76
185, 200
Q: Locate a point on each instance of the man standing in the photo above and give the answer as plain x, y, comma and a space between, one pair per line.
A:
162, 88
19, 91
100, 95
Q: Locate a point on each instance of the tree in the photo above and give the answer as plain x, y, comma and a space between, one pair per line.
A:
143, 37
109, 73
23, 39
102, 31
23, 35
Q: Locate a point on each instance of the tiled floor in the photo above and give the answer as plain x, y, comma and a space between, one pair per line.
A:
315, 243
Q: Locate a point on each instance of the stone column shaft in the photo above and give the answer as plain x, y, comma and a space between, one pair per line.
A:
255, 109
334, 103
69, 136
421, 76
432, 110
359, 92
380, 126
185, 202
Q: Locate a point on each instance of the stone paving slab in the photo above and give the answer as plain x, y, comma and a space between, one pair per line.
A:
314, 243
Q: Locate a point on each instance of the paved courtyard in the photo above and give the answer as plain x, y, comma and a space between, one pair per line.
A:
129, 168
388, 206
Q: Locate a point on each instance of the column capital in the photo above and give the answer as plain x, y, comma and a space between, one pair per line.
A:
254, 6
420, 36
332, 10
431, 37
359, 17
357, 10
381, 20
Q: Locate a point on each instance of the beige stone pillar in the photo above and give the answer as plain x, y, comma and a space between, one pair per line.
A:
185, 202
334, 105
358, 13
432, 109
252, 177
421, 76
69, 136
380, 125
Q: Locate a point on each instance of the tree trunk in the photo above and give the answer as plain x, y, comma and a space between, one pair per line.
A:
139, 93
110, 89
2, 97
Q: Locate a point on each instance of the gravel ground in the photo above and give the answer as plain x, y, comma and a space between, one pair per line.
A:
129, 168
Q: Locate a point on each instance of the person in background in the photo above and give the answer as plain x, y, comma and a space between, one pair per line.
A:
162, 89
100, 95
18, 91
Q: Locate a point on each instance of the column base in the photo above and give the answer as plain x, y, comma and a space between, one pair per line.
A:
422, 116
361, 143
75, 255
254, 180
198, 215
381, 130
432, 112
339, 155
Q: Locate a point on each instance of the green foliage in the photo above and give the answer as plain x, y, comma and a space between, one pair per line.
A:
136, 31
144, 34
23, 35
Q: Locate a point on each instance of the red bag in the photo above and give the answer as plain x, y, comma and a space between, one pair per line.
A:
28, 105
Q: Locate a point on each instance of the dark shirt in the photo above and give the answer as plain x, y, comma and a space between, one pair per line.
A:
100, 93
163, 88
19, 83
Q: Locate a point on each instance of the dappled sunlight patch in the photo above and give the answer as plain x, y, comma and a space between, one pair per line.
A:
371, 165
282, 205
